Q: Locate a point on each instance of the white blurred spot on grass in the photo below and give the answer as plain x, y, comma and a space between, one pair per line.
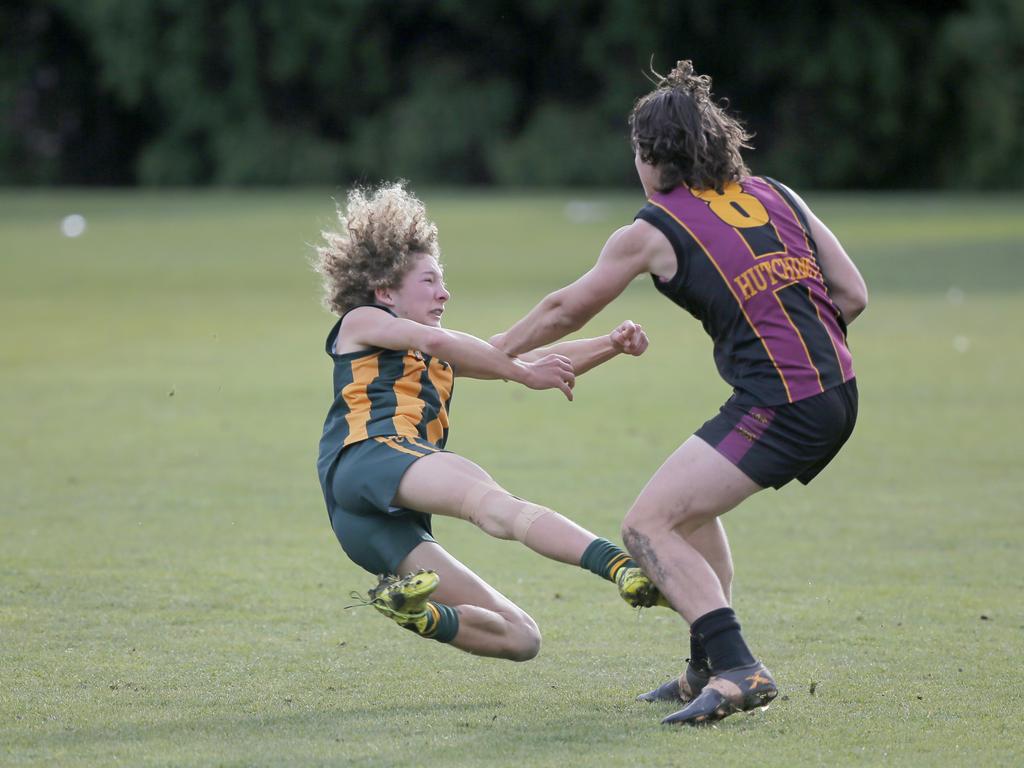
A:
73, 225
584, 212
955, 295
961, 343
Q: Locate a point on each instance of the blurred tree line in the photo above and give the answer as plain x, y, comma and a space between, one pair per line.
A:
841, 93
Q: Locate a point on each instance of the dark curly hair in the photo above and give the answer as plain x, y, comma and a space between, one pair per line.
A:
679, 128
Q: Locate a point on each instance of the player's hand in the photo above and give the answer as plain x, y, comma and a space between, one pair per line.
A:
629, 338
551, 372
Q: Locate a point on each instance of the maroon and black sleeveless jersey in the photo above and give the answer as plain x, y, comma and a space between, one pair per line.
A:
748, 270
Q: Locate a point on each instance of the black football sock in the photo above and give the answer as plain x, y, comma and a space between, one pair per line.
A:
698, 656
719, 634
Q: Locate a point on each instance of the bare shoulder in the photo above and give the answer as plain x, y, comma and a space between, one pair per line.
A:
806, 209
357, 326
644, 245
638, 237
365, 317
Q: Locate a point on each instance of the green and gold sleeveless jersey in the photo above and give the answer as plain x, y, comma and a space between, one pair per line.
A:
382, 393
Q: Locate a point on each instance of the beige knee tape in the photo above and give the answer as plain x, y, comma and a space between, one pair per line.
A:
473, 503
483, 497
527, 515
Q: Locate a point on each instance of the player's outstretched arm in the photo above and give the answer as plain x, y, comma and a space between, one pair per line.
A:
626, 255
628, 338
468, 355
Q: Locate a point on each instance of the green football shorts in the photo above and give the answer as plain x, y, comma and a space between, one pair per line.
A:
375, 534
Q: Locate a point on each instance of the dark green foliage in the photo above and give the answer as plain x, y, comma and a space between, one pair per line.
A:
57, 124
840, 94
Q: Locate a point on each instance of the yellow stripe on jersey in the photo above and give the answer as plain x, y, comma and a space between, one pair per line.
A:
789, 395
821, 320
441, 377
810, 360
364, 371
408, 404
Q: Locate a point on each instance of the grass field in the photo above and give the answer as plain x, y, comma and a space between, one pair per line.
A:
171, 592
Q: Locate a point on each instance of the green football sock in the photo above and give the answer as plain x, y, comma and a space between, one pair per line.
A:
605, 559
442, 622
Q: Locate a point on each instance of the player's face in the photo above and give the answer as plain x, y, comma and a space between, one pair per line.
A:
421, 296
648, 174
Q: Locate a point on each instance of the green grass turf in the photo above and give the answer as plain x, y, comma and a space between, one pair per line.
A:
171, 592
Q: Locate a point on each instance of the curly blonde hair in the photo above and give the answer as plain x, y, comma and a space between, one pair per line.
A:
381, 232
692, 139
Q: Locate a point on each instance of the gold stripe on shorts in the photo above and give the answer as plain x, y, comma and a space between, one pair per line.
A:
394, 442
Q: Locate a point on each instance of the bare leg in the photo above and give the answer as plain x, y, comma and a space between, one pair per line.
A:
450, 485
489, 623
691, 489
713, 545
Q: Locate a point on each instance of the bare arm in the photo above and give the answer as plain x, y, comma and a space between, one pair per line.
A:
468, 355
845, 285
585, 354
627, 254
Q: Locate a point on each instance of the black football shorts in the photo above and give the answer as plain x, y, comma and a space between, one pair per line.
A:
774, 444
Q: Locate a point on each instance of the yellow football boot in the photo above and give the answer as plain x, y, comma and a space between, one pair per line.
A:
638, 590
404, 600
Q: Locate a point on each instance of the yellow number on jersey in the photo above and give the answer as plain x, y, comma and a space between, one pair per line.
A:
734, 206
